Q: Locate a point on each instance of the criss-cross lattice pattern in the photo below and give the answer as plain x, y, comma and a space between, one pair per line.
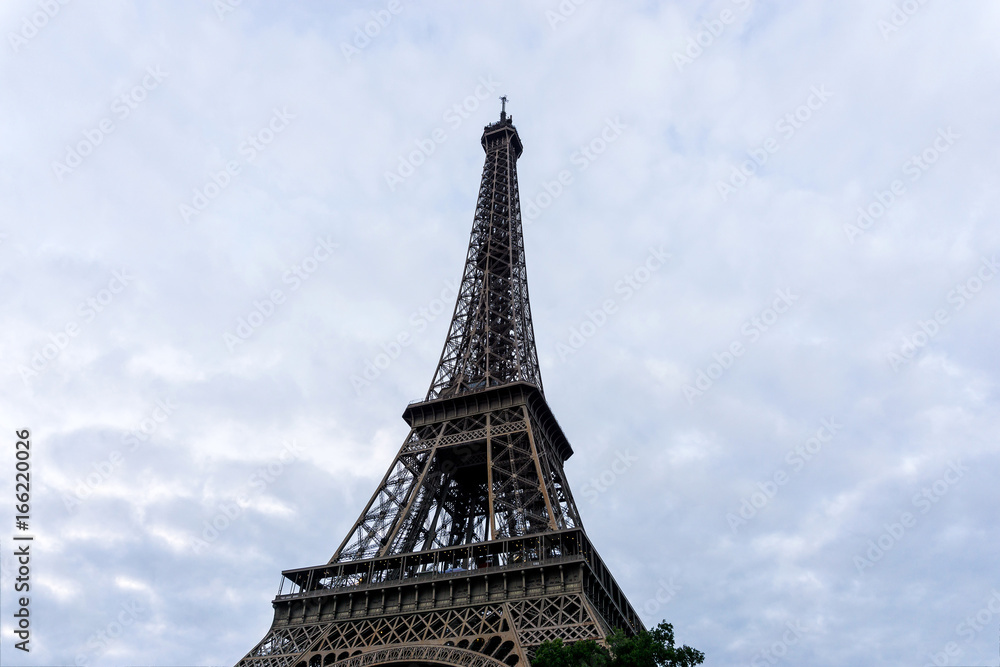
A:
466, 480
415, 628
490, 632
372, 529
283, 643
420, 628
543, 619
491, 340
446, 655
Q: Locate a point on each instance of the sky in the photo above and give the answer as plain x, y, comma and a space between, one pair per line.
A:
762, 249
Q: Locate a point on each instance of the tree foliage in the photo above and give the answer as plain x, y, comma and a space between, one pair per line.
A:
649, 648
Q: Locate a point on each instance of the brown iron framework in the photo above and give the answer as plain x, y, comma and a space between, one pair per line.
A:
491, 341
471, 552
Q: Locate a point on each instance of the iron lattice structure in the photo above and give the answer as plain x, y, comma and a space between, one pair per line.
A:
471, 551
491, 341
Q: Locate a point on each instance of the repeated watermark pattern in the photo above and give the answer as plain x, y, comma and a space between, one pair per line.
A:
103, 470
224, 8
625, 288
364, 34
228, 513
899, 16
927, 329
88, 310
980, 620
99, 642
786, 127
796, 460
121, 108
597, 485
582, 158
913, 169
751, 330
418, 322
454, 116
35, 22
665, 592
264, 309
562, 12
944, 657
969, 628
250, 148
894, 532
709, 31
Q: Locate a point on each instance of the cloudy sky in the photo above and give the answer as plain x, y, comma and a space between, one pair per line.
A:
762, 248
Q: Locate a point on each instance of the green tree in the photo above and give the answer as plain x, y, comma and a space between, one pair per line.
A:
649, 648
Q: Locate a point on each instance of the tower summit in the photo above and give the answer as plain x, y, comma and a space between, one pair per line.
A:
471, 552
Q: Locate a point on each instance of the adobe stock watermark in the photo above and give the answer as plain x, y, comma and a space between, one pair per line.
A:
230, 512
950, 652
751, 330
964, 292
665, 592
562, 12
627, 287
99, 642
786, 127
582, 158
364, 34
224, 8
796, 460
264, 309
969, 629
598, 485
777, 651
391, 350
121, 108
981, 619
104, 469
893, 533
913, 169
710, 30
899, 16
88, 311
35, 22
454, 116
249, 149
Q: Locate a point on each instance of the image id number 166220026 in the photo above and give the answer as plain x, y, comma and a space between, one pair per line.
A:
22, 540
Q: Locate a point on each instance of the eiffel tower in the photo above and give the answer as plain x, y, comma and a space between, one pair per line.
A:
471, 552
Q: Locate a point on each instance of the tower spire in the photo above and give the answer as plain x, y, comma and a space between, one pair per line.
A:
491, 341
